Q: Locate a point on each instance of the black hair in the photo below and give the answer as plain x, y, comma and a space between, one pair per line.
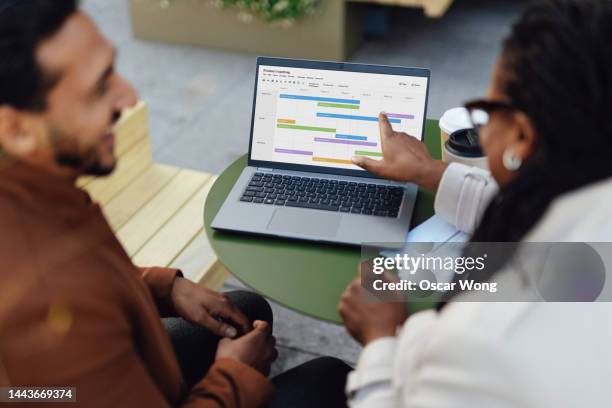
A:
24, 24
557, 69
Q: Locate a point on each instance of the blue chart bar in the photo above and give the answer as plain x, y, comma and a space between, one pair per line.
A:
351, 137
319, 99
353, 117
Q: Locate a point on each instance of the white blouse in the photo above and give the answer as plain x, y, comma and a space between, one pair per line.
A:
463, 195
498, 354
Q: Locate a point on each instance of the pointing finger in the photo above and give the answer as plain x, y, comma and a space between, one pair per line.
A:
386, 130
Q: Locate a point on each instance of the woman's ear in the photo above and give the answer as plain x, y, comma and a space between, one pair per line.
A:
524, 145
20, 135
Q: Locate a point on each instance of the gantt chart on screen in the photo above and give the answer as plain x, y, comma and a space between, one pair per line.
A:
324, 118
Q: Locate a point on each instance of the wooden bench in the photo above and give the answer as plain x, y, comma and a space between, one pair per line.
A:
156, 210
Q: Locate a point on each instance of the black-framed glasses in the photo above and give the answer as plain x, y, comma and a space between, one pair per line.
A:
480, 111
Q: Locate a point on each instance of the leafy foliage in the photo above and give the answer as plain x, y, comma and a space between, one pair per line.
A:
273, 10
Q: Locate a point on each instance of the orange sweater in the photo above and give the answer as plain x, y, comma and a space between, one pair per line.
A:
75, 311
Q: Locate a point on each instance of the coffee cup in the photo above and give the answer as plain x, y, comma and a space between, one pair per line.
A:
453, 120
463, 147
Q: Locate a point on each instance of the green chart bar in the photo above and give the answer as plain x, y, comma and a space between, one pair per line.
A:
312, 128
337, 105
364, 153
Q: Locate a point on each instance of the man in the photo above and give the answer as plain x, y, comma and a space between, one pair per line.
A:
74, 311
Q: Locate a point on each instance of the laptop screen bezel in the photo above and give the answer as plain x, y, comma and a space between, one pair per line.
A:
330, 66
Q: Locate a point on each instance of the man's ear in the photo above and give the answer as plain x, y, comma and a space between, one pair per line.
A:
524, 145
20, 135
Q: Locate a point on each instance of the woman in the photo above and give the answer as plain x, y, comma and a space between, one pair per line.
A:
546, 129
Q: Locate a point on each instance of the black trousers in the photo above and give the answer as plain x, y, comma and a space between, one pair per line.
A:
318, 383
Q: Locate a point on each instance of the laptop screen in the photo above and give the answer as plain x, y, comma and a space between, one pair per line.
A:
324, 117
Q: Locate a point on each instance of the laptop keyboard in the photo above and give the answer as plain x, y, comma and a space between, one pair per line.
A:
324, 194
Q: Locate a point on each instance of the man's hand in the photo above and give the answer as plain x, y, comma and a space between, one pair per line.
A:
207, 308
255, 349
366, 318
405, 158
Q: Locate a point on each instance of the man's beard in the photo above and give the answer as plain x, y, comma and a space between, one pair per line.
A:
88, 164
85, 167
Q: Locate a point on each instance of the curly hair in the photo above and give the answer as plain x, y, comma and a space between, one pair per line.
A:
557, 65
557, 69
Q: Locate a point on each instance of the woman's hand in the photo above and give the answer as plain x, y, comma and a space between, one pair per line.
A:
256, 349
405, 158
208, 308
367, 318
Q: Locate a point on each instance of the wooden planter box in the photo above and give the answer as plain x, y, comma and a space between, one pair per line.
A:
332, 33
432, 8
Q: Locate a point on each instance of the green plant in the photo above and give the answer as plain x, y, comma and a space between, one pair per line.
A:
285, 11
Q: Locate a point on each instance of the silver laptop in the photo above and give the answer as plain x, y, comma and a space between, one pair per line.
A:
309, 119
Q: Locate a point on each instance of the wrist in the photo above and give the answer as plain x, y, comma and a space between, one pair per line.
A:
431, 177
177, 279
176, 286
378, 334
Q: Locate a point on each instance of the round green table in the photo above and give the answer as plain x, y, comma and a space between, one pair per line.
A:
304, 276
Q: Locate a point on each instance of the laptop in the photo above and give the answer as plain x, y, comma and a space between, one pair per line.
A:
309, 119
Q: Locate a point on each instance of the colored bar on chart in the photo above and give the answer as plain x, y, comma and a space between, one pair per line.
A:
318, 99
337, 105
364, 153
312, 128
291, 151
335, 161
353, 117
346, 142
399, 116
350, 137
286, 121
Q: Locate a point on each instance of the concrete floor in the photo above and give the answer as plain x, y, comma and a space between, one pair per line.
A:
190, 89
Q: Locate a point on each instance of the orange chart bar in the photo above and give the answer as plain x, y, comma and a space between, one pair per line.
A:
336, 161
286, 121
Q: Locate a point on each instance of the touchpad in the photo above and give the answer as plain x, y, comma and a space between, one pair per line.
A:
296, 221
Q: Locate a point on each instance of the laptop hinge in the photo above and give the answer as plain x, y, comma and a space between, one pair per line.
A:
265, 169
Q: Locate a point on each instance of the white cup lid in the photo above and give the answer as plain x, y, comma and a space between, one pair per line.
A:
455, 119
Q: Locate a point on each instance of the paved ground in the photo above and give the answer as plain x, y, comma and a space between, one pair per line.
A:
189, 90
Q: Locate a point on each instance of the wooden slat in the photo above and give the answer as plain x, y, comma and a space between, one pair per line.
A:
127, 203
132, 128
196, 256
82, 182
130, 166
199, 263
213, 276
175, 235
155, 209
156, 213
